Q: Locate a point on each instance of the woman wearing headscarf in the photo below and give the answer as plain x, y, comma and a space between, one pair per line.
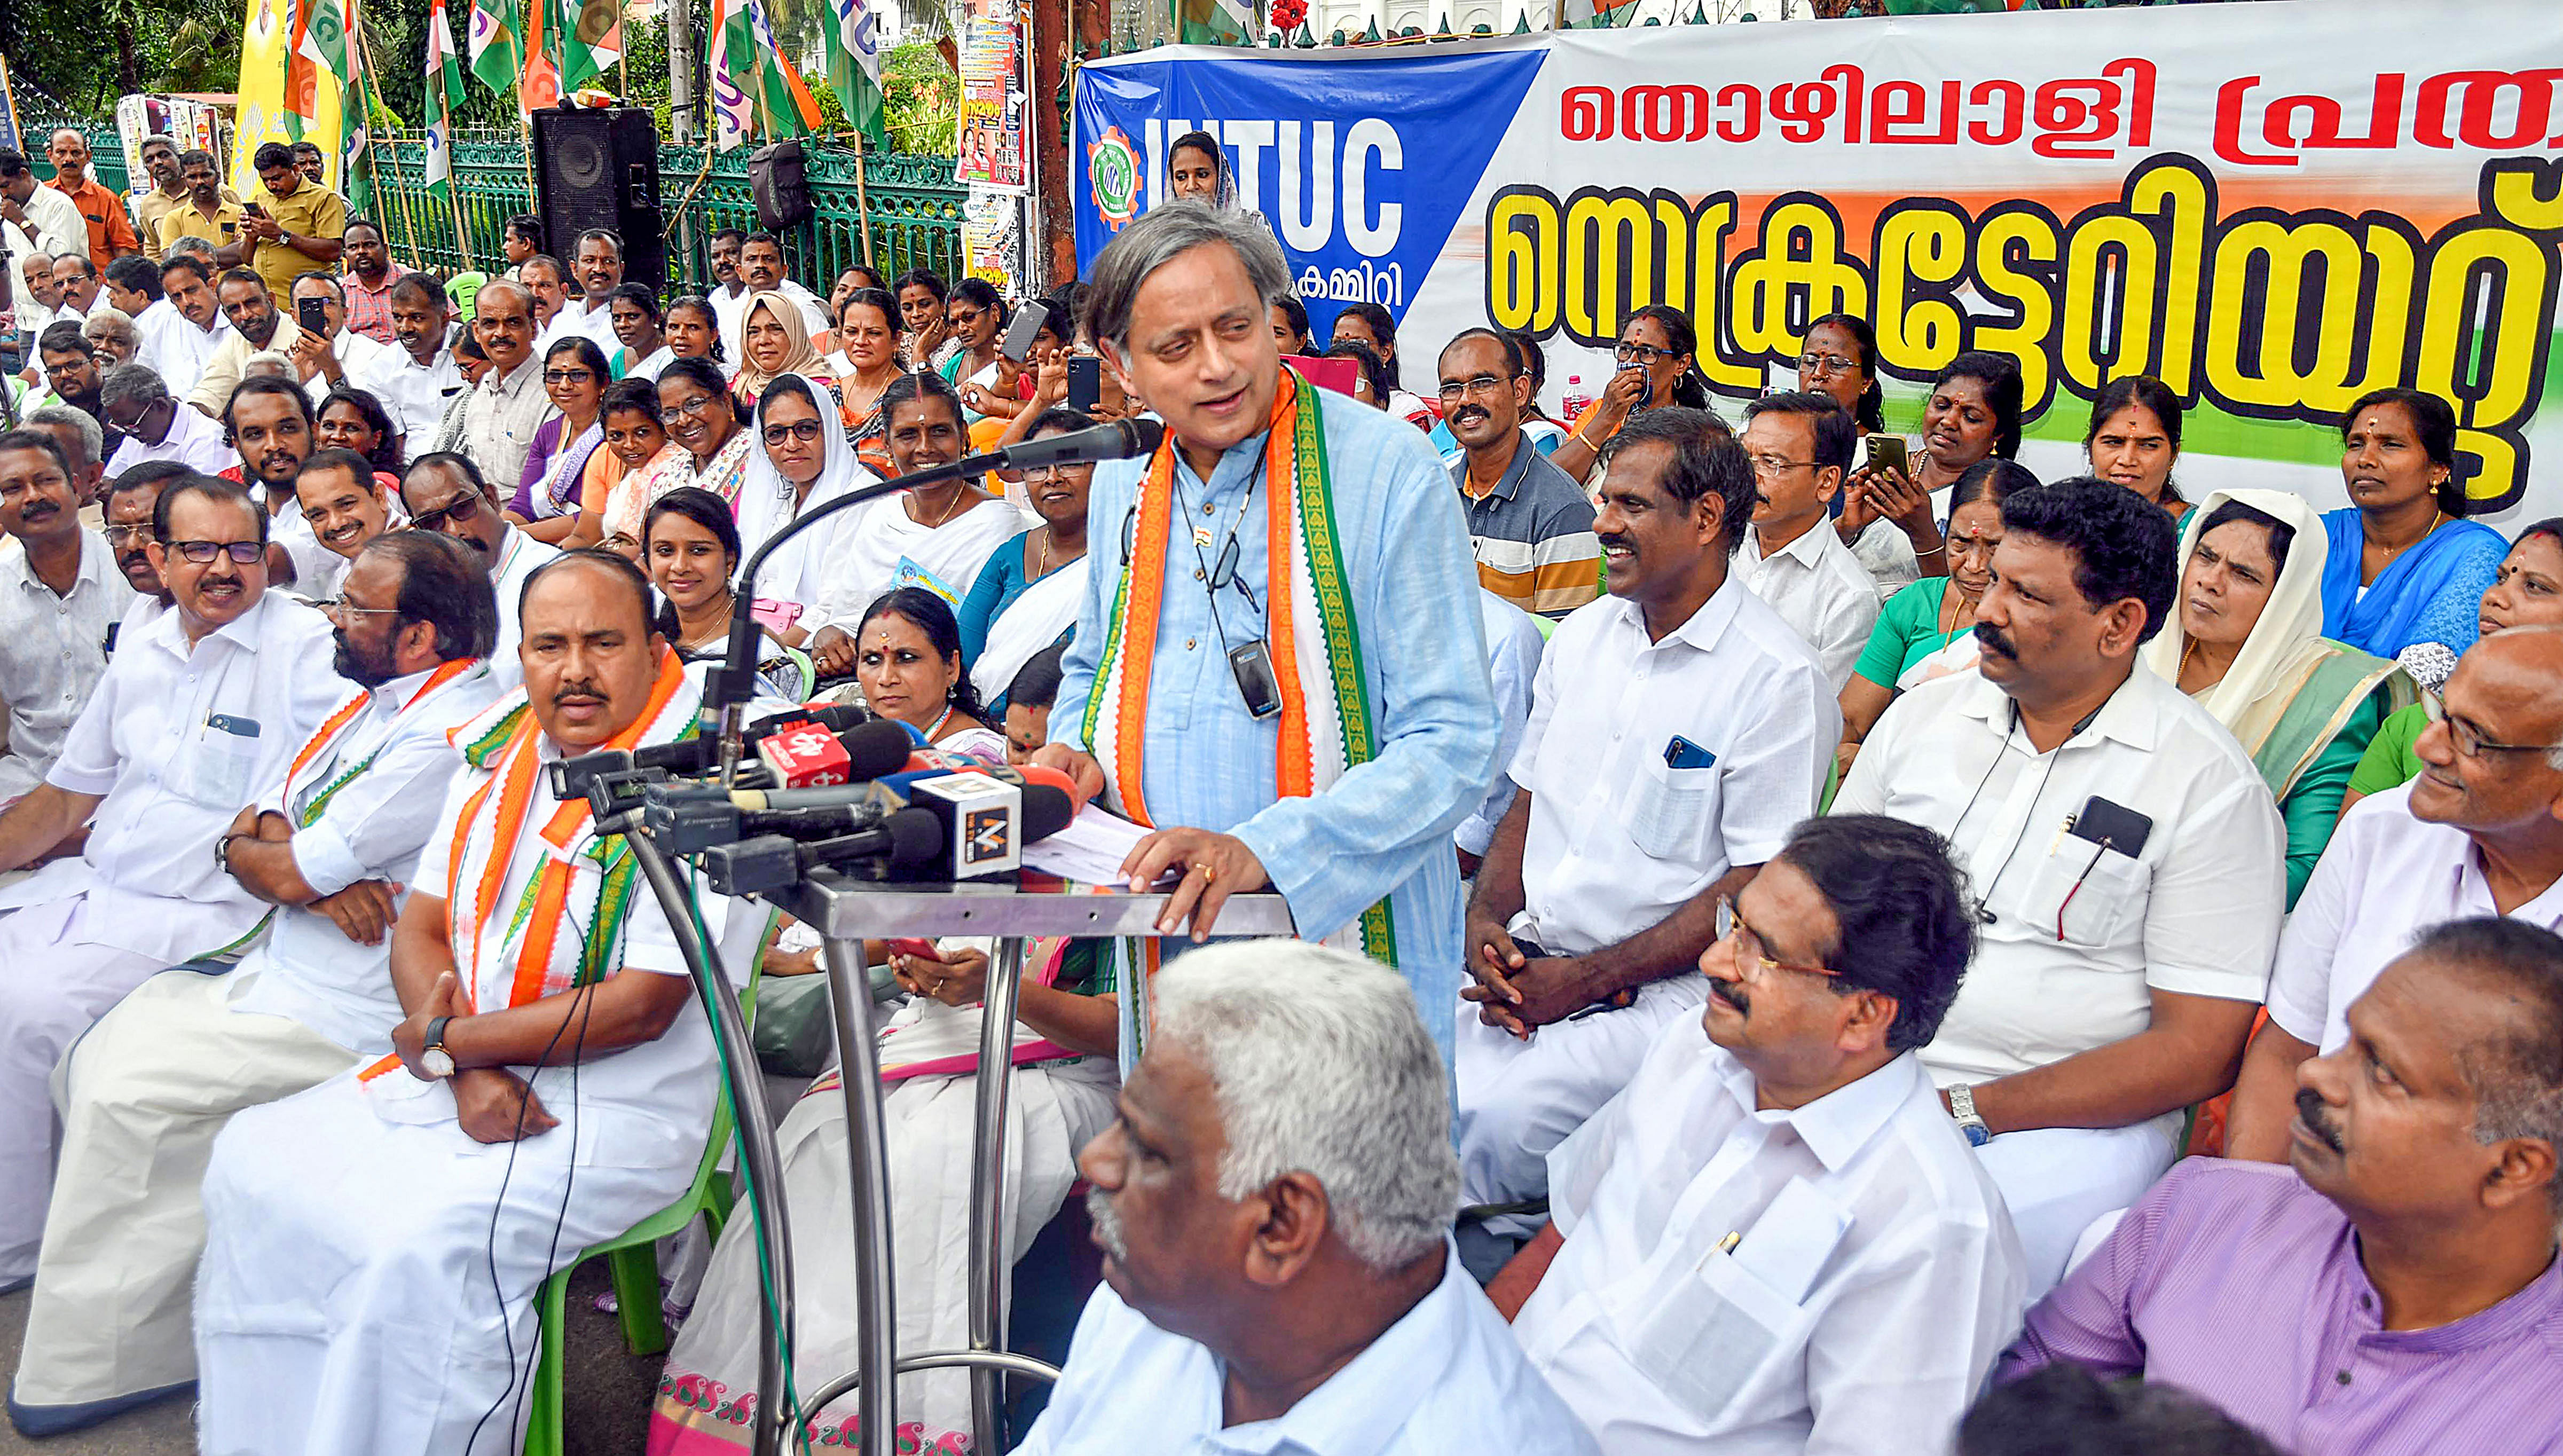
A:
773, 341
2247, 643
1197, 168
798, 460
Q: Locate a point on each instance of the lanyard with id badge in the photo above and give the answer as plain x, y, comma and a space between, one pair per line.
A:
225, 760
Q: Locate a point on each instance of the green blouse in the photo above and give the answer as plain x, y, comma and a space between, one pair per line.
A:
2389, 761
1908, 631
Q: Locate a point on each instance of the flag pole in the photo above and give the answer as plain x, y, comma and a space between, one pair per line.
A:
863, 199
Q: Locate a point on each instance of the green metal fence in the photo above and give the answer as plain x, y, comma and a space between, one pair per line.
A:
910, 205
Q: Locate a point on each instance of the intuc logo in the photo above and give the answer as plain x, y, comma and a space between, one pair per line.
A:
1112, 172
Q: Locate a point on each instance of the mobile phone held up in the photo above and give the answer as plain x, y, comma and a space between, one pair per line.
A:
1018, 343
1886, 452
1085, 382
311, 315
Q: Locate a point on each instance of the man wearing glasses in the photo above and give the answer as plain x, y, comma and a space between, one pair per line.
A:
446, 491
1773, 1239
509, 404
1530, 525
195, 715
2128, 865
57, 598
333, 844
1678, 729
1801, 447
2478, 833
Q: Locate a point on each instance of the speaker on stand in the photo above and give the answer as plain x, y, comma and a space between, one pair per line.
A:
598, 167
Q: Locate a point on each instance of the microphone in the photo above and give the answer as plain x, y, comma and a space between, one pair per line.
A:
981, 821
1119, 439
769, 862
871, 746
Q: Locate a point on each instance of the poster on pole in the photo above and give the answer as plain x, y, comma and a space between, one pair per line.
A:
993, 149
992, 238
2274, 207
9, 138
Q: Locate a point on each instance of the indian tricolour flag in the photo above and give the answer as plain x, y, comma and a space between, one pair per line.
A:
443, 94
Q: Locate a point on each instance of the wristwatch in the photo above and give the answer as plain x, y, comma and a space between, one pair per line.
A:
438, 1063
223, 851
1962, 1106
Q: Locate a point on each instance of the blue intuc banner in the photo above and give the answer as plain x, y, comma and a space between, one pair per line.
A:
1362, 167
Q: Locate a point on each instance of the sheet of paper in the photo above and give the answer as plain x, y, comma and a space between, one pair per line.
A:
1089, 850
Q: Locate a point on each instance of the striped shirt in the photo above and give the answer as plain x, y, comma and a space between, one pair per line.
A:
2236, 1281
1532, 532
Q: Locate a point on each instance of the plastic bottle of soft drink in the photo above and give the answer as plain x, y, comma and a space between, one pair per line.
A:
1576, 401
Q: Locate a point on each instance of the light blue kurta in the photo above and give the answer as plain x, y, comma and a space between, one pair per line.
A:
1384, 826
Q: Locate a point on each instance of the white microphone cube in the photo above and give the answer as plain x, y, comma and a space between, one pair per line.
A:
982, 818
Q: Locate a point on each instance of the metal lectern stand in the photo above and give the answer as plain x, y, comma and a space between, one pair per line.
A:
849, 911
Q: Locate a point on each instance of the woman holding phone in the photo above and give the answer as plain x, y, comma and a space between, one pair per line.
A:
1889, 518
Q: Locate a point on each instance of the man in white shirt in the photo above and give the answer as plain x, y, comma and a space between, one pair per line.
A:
761, 263
509, 404
331, 844
257, 325
34, 298
1773, 1241
445, 492
1273, 1204
2130, 865
1801, 446
156, 426
2478, 833
1515, 648
189, 344
729, 292
598, 266
59, 594
52, 221
78, 277
272, 430
548, 283
134, 285
1677, 729
192, 715
81, 438
344, 508
336, 354
330, 1310
417, 378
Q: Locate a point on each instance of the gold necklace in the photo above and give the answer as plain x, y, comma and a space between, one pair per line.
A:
959, 492
1042, 567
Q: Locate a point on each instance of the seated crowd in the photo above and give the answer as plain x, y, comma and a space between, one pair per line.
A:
1947, 957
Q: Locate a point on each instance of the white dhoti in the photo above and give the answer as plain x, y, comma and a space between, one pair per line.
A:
346, 1305
1052, 1110
54, 979
146, 1090
2056, 1180
1520, 1099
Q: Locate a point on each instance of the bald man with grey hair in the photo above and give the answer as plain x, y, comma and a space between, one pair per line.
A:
1274, 1200
153, 425
509, 404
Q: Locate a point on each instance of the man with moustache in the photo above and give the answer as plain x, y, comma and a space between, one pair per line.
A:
1678, 729
368, 280
210, 211
70, 362
131, 502
371, 1256
1530, 525
57, 596
170, 190
2395, 1289
598, 264
418, 378
341, 501
332, 845
761, 263
156, 426
1779, 1185
36, 295
193, 716
83, 440
2127, 860
1801, 447
270, 425
730, 293
188, 344
1272, 1205
256, 326
446, 491
503, 410
80, 284
546, 279
2479, 832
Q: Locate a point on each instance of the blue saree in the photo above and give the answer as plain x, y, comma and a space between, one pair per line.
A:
2431, 594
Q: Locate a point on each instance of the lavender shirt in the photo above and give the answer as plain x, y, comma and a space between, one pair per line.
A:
2237, 1282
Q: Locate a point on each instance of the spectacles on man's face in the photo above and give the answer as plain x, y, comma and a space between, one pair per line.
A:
1748, 946
804, 431
118, 536
2469, 738
1485, 386
1816, 363
1772, 464
243, 553
462, 511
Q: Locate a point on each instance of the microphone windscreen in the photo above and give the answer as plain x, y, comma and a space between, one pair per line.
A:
876, 747
1047, 811
1043, 774
1145, 435
915, 836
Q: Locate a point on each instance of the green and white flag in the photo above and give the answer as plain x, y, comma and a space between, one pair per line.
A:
498, 53
443, 94
591, 39
853, 66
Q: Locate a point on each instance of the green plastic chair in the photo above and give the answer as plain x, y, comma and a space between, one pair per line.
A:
633, 1261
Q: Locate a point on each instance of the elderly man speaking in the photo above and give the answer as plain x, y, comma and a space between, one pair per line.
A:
1286, 675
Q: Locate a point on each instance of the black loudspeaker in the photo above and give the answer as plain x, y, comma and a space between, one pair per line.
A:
778, 178
596, 167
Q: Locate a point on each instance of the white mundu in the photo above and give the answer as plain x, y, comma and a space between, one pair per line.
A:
146, 1090
369, 1268
176, 739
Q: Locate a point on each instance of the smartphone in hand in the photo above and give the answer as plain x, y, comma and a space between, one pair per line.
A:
1886, 452
313, 315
